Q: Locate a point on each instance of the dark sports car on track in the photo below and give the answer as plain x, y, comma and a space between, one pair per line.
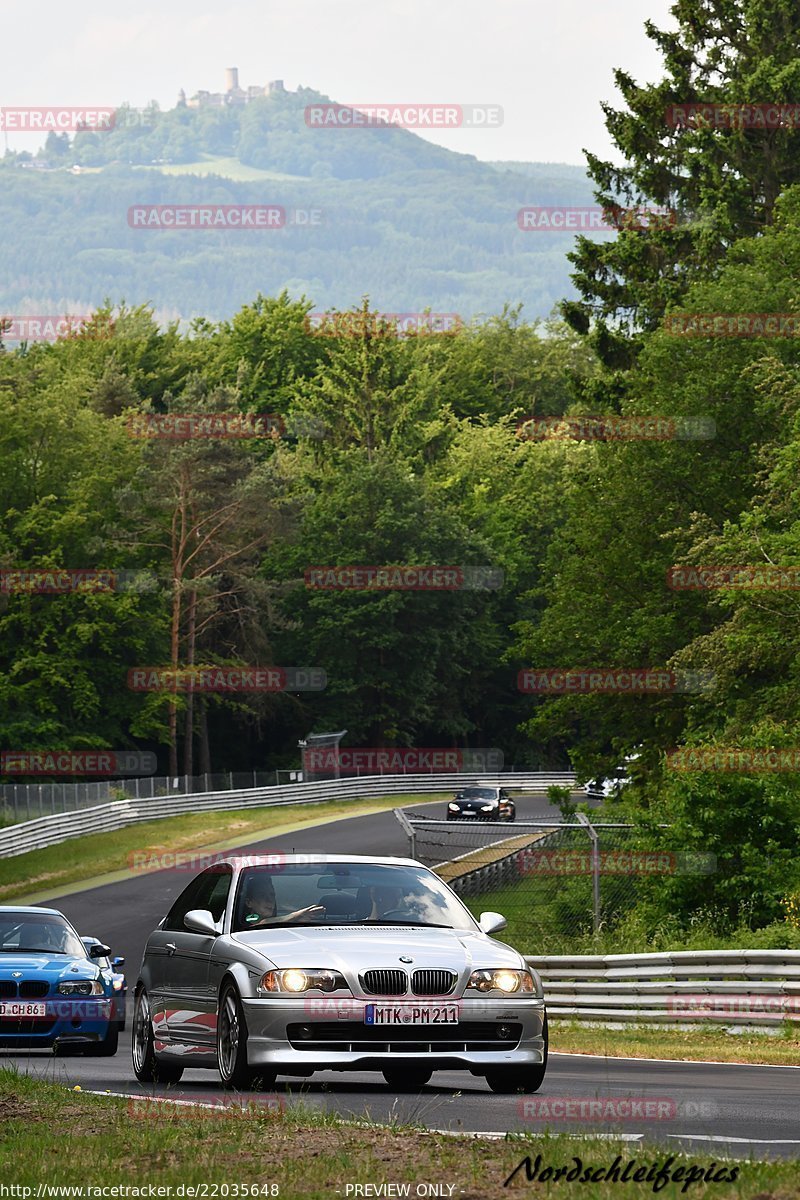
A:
320, 963
481, 804
53, 994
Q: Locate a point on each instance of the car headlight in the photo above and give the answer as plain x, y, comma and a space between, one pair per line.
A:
487, 807
83, 988
501, 980
117, 984
296, 979
453, 806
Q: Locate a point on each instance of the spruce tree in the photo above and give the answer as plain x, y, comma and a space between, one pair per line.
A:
719, 174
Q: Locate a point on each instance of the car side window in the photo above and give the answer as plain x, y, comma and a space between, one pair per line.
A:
218, 896
209, 890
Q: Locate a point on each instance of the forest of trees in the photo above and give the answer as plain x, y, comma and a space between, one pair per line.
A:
407, 450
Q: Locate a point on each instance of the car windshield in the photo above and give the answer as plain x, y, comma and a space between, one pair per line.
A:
38, 933
345, 894
476, 794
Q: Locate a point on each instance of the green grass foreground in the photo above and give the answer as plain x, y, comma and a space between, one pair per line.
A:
703, 1042
123, 850
51, 1135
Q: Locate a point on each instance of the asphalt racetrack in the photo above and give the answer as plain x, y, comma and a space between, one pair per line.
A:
706, 1109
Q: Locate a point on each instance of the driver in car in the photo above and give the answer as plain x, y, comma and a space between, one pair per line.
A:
260, 904
385, 900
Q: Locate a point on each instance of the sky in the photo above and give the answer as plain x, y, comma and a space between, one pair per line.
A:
548, 63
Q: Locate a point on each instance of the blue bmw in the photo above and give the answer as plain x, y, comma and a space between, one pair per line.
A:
53, 993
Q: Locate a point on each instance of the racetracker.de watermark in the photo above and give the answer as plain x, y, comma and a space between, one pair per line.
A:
614, 862
552, 218
755, 577
159, 858
212, 1108
745, 759
77, 762
381, 324
65, 581
611, 428
740, 1004
207, 216
627, 681
380, 115
73, 119
227, 679
698, 114
45, 327
745, 325
613, 1108
403, 579
403, 760
183, 426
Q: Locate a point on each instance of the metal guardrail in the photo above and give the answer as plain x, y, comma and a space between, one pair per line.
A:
50, 831
731, 987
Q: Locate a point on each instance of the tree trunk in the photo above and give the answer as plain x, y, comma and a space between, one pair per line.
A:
188, 740
172, 717
205, 746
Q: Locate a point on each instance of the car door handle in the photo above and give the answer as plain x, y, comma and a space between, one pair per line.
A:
170, 948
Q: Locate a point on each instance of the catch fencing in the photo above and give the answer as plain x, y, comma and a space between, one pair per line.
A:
551, 879
26, 801
51, 830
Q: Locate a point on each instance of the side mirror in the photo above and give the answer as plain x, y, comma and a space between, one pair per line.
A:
98, 950
118, 962
492, 922
200, 920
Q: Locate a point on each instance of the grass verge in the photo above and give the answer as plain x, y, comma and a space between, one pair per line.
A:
47, 871
50, 1135
701, 1042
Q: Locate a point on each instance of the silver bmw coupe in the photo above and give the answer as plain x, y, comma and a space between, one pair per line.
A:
290, 964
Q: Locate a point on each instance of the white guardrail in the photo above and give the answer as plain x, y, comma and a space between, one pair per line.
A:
50, 831
731, 987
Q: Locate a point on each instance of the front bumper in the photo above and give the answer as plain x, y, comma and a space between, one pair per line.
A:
79, 1020
328, 1034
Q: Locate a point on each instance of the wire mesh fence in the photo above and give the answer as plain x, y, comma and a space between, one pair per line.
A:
27, 801
558, 883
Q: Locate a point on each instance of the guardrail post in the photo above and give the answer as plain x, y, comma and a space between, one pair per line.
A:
592, 832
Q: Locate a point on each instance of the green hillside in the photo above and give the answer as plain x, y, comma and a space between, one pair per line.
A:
378, 211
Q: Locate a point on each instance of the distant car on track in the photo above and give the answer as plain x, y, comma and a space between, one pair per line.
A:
342, 963
482, 804
119, 983
53, 994
611, 787
607, 787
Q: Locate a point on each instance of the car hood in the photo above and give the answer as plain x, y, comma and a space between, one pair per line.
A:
360, 948
43, 966
474, 803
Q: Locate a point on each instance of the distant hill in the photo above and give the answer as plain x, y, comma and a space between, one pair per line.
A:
377, 211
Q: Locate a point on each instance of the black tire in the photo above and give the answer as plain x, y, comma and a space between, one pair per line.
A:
408, 1078
107, 1047
146, 1067
234, 1069
507, 1081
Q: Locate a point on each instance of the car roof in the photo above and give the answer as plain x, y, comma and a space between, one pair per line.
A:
30, 908
269, 860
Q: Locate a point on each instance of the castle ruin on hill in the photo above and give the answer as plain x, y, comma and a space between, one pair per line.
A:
233, 94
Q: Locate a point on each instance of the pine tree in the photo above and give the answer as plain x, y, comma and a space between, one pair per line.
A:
720, 175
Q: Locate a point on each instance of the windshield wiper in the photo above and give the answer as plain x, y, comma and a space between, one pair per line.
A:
277, 925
